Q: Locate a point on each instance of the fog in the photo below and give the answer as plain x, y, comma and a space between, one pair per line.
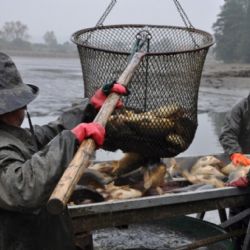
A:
64, 17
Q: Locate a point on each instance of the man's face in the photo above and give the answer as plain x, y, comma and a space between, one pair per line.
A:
14, 118
20, 114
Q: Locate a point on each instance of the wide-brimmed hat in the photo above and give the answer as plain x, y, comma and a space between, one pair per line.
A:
14, 94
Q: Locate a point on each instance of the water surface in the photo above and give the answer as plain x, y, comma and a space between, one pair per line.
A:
60, 82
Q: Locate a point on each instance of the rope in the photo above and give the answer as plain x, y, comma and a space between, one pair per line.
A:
143, 37
146, 80
186, 20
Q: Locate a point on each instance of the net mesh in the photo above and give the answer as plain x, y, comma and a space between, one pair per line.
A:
160, 114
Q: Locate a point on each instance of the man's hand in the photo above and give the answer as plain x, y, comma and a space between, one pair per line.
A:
240, 159
93, 130
101, 94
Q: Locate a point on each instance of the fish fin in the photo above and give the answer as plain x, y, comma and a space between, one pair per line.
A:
147, 180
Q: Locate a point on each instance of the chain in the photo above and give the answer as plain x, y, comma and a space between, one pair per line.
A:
106, 12
183, 14
102, 18
186, 20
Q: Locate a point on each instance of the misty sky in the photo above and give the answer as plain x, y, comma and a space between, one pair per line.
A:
64, 17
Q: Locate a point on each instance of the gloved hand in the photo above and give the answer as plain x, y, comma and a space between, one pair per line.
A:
241, 182
93, 130
239, 159
101, 94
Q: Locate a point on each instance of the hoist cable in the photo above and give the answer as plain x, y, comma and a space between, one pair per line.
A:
186, 20
183, 14
106, 13
103, 17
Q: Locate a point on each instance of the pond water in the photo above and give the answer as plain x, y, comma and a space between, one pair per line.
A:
60, 82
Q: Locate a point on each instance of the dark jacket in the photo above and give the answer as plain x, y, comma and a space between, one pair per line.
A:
235, 136
27, 178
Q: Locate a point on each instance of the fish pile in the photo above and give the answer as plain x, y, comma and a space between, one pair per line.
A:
165, 131
132, 177
211, 170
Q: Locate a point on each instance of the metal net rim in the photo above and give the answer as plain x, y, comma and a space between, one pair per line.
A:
75, 35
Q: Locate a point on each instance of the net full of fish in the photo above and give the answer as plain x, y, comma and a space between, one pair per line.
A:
157, 133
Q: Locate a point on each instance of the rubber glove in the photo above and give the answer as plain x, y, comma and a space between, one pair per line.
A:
86, 130
101, 94
239, 159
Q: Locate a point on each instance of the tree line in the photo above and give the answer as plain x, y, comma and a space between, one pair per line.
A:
14, 36
232, 32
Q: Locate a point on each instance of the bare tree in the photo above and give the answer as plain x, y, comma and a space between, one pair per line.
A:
14, 31
50, 38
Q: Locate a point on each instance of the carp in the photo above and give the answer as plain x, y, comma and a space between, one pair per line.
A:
206, 170
229, 168
103, 167
92, 178
207, 160
176, 140
129, 162
173, 111
112, 192
205, 179
146, 121
154, 175
161, 119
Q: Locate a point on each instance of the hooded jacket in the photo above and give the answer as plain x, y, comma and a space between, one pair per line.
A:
28, 177
235, 136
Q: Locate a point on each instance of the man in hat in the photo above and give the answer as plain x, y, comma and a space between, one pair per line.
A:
33, 160
235, 140
235, 137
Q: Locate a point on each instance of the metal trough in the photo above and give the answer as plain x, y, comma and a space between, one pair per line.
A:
107, 214
173, 233
166, 207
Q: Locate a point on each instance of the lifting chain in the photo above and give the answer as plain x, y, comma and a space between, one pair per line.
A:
106, 12
181, 11
102, 18
183, 14
185, 20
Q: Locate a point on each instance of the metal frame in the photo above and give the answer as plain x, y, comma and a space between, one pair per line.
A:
89, 217
75, 37
106, 214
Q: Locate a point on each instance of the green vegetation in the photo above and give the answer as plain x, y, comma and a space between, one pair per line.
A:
14, 38
232, 32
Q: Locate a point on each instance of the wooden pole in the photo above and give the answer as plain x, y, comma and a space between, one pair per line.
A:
66, 185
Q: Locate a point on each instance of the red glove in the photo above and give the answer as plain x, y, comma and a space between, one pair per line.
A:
93, 130
100, 96
239, 159
241, 182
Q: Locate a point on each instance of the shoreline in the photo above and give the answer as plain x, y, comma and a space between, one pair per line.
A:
212, 67
49, 54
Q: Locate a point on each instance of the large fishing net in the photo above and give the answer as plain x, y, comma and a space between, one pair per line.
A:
160, 114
